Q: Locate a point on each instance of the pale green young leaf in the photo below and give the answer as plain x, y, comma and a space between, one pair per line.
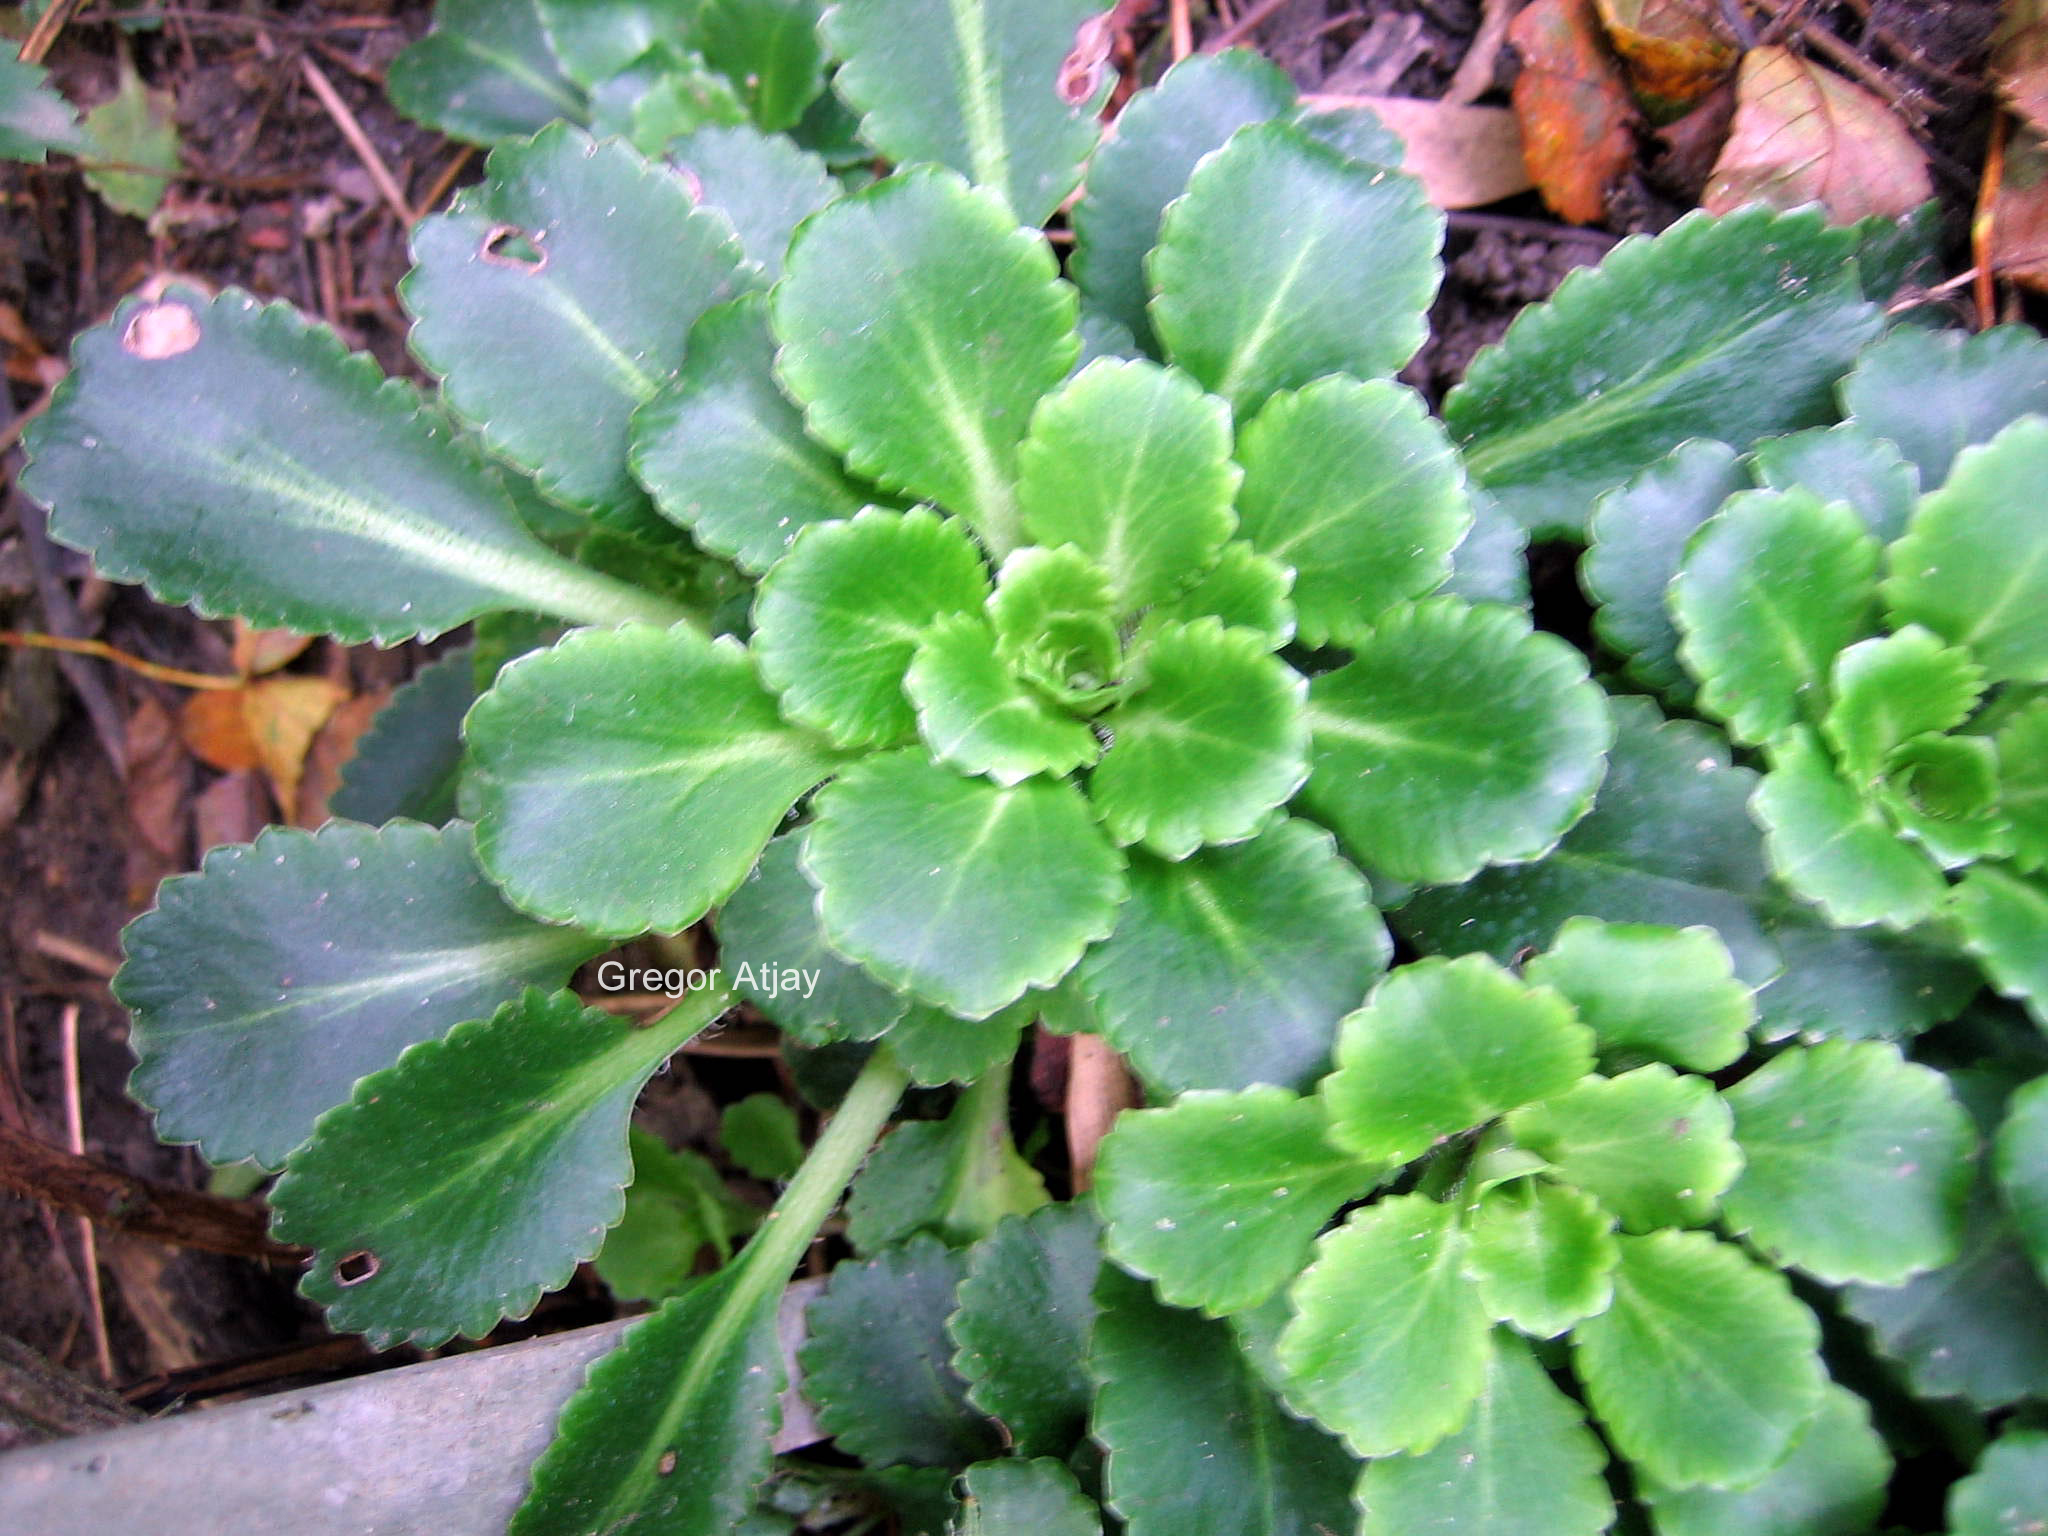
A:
1857, 1163
1756, 315
1936, 392
1443, 1046
982, 86
2021, 1162
136, 126
1846, 462
1970, 564
1356, 487
723, 452
1772, 589
1524, 1464
770, 50
522, 280
676, 1207
667, 93
1233, 967
457, 1186
760, 1134
1007, 1498
1160, 136
1706, 1368
961, 892
1943, 793
2008, 1493
1388, 1344
1832, 1484
1210, 740
763, 182
1456, 737
1653, 1146
1889, 690
628, 779
837, 620
1245, 589
978, 717
956, 1178
1054, 612
1286, 260
265, 985
1651, 993
485, 72
1541, 1254
919, 327
2023, 784
2004, 923
1130, 463
34, 117
1218, 1198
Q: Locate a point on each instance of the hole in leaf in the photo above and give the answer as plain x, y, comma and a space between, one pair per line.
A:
1081, 70
355, 1268
161, 331
507, 245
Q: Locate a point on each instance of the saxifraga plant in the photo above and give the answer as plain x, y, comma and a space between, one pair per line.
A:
986, 646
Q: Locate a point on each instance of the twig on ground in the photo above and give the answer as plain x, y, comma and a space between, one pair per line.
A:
88, 1240
44, 32
1475, 71
73, 953
1984, 223
345, 120
1181, 28
442, 182
71, 645
1247, 22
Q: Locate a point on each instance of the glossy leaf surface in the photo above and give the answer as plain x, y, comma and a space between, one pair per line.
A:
1665, 994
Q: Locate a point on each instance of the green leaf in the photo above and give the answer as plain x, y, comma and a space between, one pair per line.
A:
1637, 537
1456, 737
1541, 1254
1211, 739
761, 181
2021, 1161
2004, 922
1357, 488
34, 117
1524, 1464
1130, 463
982, 86
1443, 1046
1055, 622
667, 93
1834, 848
613, 267
1195, 1440
1218, 1198
1862, 984
1160, 135
2004, 1496
1004, 1498
628, 779
1889, 690
1843, 463
2023, 771
1970, 565
723, 452
770, 49
1490, 564
1389, 1342
878, 1364
1705, 1369
759, 1132
1234, 966
485, 72
1832, 1484
958, 891
938, 1048
1757, 314
676, 1207
292, 485
595, 39
264, 986
1935, 393
1652, 1146
1286, 260
1357, 131
1771, 590
408, 761
956, 1178
838, 619
1245, 589
136, 126
1027, 1308
769, 926
457, 1186
1857, 1163
1651, 993
975, 714
1943, 791
919, 327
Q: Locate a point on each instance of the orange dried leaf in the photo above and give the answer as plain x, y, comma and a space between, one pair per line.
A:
2019, 60
1803, 134
1578, 118
1676, 50
216, 731
258, 651
284, 714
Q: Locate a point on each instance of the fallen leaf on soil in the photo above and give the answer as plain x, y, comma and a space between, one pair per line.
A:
258, 651
270, 724
232, 809
158, 775
1465, 157
2019, 60
1578, 118
213, 725
136, 126
1803, 134
1692, 144
2019, 214
1676, 50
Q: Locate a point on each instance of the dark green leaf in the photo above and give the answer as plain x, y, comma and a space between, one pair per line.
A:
1490, 565
938, 1048
34, 117
761, 181
1832, 1484
2022, 1166
956, 1178
1010, 1498
1935, 393
676, 1207
1665, 994
408, 761
2023, 771
2008, 1493
1862, 984
769, 49
1843, 463
486, 72
1541, 1254
760, 1134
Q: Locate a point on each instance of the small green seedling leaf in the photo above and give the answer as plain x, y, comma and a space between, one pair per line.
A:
1705, 1370
1832, 1484
628, 779
1000, 1498
956, 1178
408, 762
1890, 690
1846, 462
667, 93
1358, 489
2021, 1162
763, 182
1218, 1198
1286, 260
2004, 1496
1651, 993
485, 72
760, 1134
136, 126
770, 50
264, 986
34, 117
1456, 737
676, 1207
1541, 1254
1443, 1046
1054, 614
1245, 589
976, 715
1935, 393
511, 1132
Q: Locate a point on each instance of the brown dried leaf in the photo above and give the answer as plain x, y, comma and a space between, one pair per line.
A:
2019, 60
158, 776
1676, 50
284, 715
213, 725
232, 809
1465, 157
335, 744
258, 651
1578, 118
2019, 217
1803, 134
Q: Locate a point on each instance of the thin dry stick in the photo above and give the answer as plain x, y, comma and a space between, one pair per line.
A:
447, 177
88, 1240
1182, 28
1984, 223
71, 952
31, 640
44, 32
1475, 71
1245, 24
358, 141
